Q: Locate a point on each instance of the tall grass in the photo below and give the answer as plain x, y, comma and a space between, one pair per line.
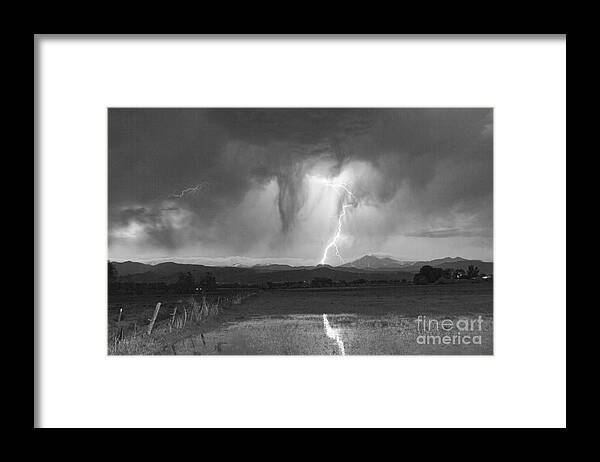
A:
188, 313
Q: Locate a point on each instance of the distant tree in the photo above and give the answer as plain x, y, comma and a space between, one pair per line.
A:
112, 272
420, 279
429, 274
459, 273
209, 282
321, 282
472, 272
185, 283
447, 273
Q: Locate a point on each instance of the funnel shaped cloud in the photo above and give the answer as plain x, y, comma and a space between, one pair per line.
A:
252, 183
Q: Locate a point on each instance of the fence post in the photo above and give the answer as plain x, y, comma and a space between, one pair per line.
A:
153, 320
172, 321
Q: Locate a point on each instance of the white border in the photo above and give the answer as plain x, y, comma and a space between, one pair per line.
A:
523, 384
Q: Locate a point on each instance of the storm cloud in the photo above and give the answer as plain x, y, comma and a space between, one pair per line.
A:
253, 183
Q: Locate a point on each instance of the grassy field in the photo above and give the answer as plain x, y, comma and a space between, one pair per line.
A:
392, 305
409, 299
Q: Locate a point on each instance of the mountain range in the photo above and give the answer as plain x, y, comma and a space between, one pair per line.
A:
373, 262
368, 267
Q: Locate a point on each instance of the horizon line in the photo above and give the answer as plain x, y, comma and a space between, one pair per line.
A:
159, 260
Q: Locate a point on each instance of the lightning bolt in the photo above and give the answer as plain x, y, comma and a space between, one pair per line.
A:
353, 203
192, 190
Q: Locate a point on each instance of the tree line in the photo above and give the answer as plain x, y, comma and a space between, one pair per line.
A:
429, 274
185, 284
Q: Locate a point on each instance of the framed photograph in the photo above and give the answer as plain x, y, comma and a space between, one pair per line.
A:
300, 231
289, 225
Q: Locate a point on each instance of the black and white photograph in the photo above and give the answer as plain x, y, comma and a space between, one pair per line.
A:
300, 231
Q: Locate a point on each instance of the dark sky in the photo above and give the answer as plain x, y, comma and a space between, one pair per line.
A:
258, 185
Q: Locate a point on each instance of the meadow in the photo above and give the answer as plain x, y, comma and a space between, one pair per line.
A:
353, 320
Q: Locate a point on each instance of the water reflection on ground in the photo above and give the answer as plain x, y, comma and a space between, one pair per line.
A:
329, 334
